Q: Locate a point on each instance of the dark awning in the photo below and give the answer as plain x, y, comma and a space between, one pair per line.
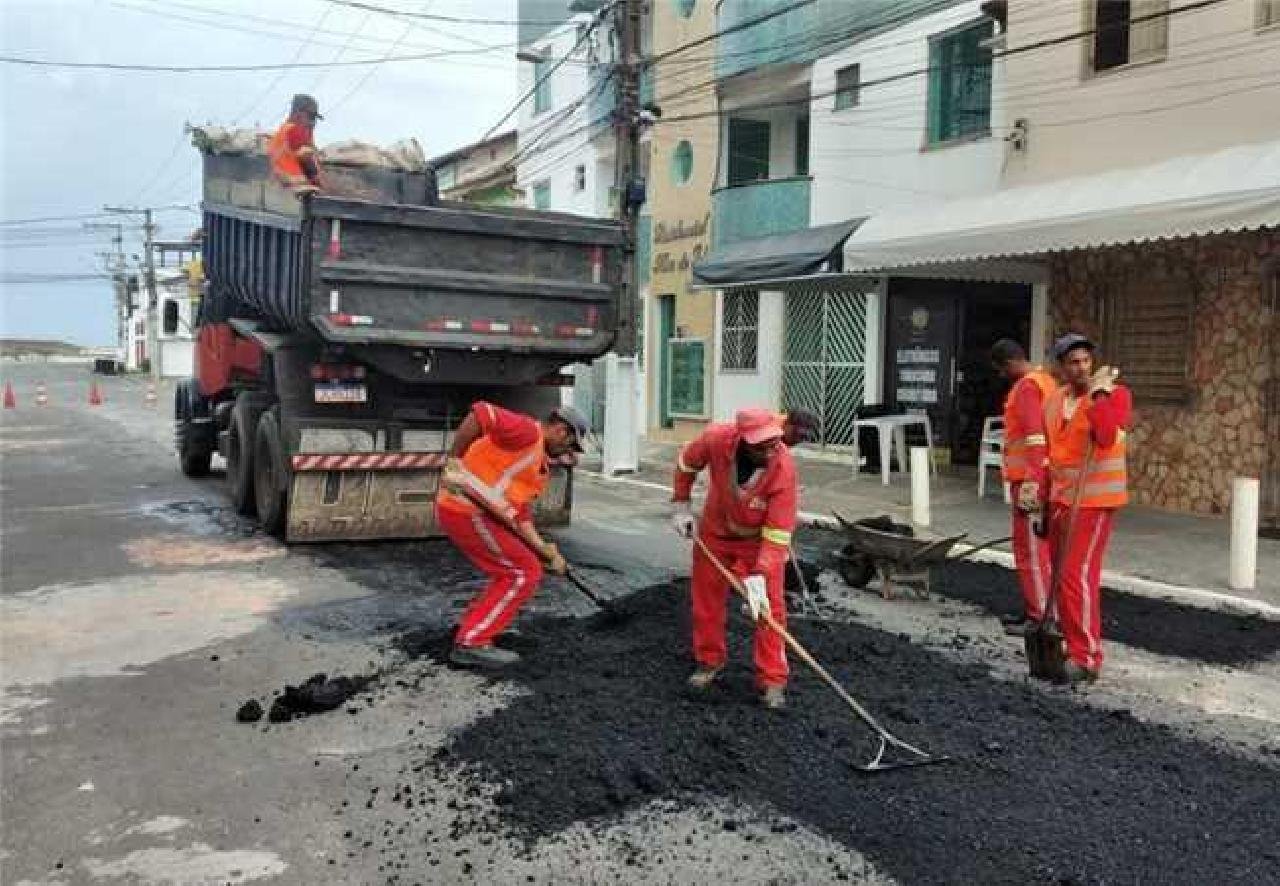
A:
780, 256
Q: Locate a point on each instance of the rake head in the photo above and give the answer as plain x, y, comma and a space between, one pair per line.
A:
916, 756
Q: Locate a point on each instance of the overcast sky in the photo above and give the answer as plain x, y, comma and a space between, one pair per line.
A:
74, 140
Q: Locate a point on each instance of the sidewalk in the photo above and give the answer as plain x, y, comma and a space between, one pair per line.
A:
1148, 545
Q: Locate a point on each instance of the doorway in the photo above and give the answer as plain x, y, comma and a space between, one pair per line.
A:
939, 335
662, 351
824, 357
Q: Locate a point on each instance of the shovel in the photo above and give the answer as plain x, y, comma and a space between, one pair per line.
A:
1046, 659
887, 739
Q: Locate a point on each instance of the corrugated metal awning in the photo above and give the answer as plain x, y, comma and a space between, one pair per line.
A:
781, 256
1230, 190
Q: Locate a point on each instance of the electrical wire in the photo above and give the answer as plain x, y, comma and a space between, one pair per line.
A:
448, 19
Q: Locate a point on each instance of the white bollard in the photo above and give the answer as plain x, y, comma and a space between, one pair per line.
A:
621, 422
920, 485
1242, 572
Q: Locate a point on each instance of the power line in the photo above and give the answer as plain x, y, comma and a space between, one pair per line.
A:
732, 29
448, 19
87, 216
369, 73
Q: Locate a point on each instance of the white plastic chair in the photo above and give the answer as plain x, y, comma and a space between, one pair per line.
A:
990, 453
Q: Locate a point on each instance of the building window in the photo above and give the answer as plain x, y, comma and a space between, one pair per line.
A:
446, 177
682, 163
748, 150
848, 81
740, 330
1124, 32
685, 7
542, 195
802, 146
542, 86
579, 178
1268, 13
960, 84
1148, 330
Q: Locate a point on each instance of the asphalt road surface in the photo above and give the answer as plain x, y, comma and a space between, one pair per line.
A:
138, 613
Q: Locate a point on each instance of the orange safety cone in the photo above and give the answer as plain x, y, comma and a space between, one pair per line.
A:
10, 401
151, 395
42, 395
95, 395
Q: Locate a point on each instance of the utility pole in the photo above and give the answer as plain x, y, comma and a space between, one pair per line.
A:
149, 280
114, 262
630, 189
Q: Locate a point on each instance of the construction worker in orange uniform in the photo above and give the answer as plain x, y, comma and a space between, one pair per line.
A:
747, 522
1085, 421
500, 458
292, 148
1024, 466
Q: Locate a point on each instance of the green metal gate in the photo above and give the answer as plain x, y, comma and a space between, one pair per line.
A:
824, 356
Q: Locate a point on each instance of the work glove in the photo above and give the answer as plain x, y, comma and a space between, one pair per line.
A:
1103, 380
454, 477
682, 522
757, 596
556, 564
1029, 496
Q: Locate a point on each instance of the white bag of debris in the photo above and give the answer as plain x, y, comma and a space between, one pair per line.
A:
222, 140
405, 155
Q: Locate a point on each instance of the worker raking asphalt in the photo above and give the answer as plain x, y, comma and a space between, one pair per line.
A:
1044, 789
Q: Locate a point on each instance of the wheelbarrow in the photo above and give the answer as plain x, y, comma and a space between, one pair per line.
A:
878, 546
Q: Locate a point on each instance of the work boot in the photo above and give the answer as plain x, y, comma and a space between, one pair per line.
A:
703, 678
774, 698
482, 657
1077, 673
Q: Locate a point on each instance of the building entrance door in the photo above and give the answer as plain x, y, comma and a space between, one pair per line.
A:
824, 352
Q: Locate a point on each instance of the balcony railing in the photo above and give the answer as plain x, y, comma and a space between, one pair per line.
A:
760, 209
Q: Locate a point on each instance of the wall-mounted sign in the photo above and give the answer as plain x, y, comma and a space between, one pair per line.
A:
687, 377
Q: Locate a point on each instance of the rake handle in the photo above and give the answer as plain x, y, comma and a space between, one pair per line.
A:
792, 643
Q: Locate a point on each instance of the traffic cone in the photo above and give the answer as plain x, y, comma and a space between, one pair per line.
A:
42, 395
95, 395
151, 395
10, 401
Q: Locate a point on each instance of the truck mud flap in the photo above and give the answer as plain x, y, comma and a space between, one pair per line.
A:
363, 496
386, 496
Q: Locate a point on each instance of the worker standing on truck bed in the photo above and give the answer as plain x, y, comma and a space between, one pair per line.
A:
1085, 421
500, 458
1024, 466
292, 149
747, 523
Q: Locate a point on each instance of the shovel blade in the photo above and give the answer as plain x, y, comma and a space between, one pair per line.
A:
1046, 658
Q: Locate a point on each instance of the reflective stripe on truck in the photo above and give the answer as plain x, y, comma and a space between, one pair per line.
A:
369, 461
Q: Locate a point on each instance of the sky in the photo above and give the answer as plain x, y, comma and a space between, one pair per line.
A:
73, 140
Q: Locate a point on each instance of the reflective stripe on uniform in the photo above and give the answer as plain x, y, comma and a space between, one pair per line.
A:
1035, 440
681, 466
477, 523
777, 536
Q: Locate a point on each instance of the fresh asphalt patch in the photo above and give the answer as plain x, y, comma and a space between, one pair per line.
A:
1159, 626
1042, 788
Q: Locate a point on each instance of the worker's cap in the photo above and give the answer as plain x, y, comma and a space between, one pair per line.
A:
303, 103
758, 426
575, 420
1069, 343
804, 422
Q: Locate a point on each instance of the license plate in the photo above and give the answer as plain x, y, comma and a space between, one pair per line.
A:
341, 394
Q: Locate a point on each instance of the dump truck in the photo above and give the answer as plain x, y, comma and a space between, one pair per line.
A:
341, 339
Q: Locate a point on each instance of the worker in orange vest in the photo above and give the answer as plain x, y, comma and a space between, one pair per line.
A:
292, 149
1024, 464
747, 521
500, 458
1086, 421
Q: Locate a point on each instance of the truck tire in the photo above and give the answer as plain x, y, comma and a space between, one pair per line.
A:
195, 452
240, 460
270, 476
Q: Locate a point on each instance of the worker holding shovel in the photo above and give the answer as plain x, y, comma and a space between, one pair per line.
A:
747, 522
1024, 463
1085, 422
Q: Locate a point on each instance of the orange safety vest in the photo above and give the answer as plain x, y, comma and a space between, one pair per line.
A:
506, 479
1106, 484
284, 160
1015, 465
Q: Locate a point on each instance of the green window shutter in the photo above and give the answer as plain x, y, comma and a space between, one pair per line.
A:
748, 151
542, 196
802, 146
542, 91
960, 84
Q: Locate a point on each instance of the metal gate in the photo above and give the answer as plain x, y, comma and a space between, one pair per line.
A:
1270, 516
824, 356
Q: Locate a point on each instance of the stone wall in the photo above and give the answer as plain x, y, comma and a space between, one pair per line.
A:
1183, 457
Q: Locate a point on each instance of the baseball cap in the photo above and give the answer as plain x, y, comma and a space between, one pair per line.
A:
306, 104
805, 422
1070, 342
574, 419
757, 425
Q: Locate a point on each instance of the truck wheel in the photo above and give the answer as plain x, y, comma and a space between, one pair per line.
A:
270, 478
240, 461
194, 453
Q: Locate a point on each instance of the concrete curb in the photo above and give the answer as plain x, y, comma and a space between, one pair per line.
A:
1203, 598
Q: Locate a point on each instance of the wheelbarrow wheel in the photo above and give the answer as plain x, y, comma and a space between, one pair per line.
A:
857, 570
